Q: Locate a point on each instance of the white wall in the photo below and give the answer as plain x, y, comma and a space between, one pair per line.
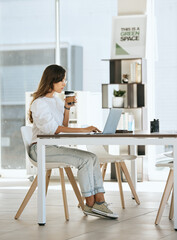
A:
166, 66
89, 24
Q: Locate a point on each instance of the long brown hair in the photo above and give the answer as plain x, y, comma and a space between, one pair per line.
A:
52, 74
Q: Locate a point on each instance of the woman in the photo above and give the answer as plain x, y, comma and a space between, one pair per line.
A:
50, 115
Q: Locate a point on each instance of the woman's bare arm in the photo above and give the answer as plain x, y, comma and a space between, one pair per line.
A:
66, 117
76, 130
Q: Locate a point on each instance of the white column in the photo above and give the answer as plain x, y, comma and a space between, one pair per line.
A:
175, 184
41, 183
133, 151
57, 31
0, 129
151, 56
145, 7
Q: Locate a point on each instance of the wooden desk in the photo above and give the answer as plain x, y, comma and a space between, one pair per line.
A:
139, 138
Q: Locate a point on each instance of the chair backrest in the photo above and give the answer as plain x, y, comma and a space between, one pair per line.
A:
26, 132
165, 163
99, 150
103, 154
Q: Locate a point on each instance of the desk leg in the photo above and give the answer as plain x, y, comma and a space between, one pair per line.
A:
133, 167
175, 184
41, 183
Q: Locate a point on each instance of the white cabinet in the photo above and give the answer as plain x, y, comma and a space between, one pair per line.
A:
86, 112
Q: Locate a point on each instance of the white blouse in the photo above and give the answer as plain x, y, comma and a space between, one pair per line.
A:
47, 115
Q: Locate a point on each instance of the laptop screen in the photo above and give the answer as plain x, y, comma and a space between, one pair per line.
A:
112, 121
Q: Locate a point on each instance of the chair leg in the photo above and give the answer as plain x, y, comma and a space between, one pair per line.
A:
64, 194
104, 170
168, 188
101, 165
30, 193
118, 174
74, 185
27, 198
130, 183
171, 214
48, 174
83, 199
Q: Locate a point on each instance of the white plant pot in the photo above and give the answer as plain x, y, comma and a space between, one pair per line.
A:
118, 102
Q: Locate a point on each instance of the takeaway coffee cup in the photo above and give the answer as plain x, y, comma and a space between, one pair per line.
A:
70, 97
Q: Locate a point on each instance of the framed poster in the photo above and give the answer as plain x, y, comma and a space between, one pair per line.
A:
128, 36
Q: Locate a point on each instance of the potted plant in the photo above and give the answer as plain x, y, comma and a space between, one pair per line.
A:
118, 99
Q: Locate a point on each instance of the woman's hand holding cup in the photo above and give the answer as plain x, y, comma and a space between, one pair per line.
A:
70, 99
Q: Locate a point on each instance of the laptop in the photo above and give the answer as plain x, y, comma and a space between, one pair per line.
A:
110, 125
111, 122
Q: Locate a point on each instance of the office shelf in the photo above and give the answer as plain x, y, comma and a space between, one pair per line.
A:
134, 98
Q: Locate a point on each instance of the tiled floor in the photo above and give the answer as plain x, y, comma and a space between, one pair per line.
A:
135, 222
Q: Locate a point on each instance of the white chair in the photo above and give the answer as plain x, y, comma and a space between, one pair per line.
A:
168, 189
26, 132
105, 158
168, 154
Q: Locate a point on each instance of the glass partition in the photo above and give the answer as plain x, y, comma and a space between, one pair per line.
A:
27, 46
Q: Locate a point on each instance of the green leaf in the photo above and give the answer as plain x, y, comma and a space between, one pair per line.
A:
119, 93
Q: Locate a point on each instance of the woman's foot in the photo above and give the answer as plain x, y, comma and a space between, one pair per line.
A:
88, 211
100, 210
103, 210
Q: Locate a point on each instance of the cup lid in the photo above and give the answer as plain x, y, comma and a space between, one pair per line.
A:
69, 92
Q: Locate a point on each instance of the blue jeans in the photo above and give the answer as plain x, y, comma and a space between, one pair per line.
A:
87, 163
